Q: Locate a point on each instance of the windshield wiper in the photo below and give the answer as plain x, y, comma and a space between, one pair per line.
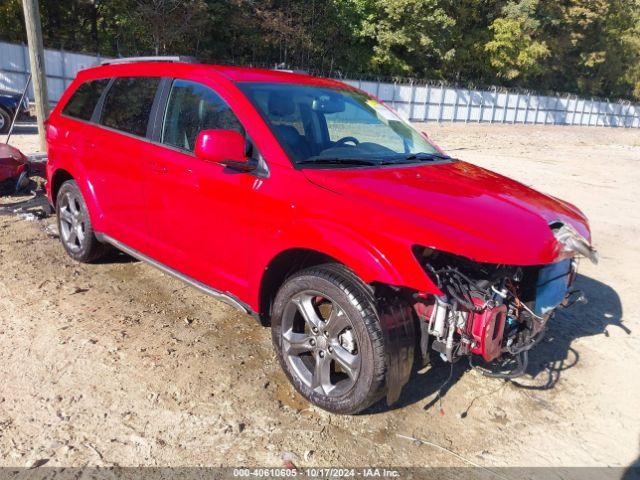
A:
336, 161
427, 157
409, 158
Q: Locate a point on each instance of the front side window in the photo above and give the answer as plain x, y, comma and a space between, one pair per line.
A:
128, 103
333, 126
84, 100
192, 108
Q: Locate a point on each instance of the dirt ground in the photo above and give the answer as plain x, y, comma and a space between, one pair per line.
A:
118, 364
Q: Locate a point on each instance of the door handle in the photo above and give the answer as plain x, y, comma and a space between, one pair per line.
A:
158, 168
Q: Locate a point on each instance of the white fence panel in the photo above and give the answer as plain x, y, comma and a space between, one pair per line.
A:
61, 68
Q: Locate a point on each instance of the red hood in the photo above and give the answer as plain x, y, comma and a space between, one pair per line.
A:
459, 208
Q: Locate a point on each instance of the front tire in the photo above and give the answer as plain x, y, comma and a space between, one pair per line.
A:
74, 225
326, 332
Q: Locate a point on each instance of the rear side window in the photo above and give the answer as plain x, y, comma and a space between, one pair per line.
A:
128, 103
192, 108
84, 100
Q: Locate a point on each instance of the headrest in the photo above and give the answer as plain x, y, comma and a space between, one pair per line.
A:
202, 110
281, 105
288, 133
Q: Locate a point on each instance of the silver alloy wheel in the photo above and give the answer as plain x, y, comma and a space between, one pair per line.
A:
319, 343
72, 223
2, 122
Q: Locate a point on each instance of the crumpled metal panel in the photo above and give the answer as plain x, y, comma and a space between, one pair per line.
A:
397, 322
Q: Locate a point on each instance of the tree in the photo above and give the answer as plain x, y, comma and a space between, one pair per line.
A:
588, 47
409, 36
630, 40
513, 50
167, 25
11, 21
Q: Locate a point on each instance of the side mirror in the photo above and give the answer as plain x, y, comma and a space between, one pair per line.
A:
226, 147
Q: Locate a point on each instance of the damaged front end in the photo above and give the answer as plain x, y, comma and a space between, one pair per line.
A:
494, 314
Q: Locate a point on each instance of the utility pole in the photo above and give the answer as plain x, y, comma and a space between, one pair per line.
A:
36, 60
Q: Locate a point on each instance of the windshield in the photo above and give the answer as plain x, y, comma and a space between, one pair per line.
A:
334, 126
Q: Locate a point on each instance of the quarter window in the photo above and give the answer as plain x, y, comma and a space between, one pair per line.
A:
84, 100
192, 107
128, 104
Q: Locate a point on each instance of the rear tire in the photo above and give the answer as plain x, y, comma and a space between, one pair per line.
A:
327, 335
74, 225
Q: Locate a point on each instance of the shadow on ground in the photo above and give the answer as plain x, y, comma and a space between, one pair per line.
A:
547, 361
115, 256
633, 471
34, 205
31, 199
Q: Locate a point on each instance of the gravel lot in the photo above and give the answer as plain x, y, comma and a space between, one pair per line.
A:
118, 364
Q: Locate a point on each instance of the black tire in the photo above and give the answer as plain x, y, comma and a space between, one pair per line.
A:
349, 296
74, 225
5, 121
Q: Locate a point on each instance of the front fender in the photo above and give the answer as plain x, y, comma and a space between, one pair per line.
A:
387, 264
348, 247
384, 261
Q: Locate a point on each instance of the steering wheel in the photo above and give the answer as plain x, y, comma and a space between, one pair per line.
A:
344, 140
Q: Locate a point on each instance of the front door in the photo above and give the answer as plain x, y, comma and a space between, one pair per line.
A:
199, 212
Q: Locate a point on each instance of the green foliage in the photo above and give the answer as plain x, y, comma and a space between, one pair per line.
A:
11, 22
408, 36
513, 50
588, 47
630, 45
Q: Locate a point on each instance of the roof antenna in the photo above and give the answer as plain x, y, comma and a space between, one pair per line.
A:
15, 115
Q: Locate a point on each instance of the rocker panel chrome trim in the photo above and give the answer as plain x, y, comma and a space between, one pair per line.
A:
224, 297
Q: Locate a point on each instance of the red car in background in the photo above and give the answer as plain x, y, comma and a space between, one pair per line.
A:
315, 208
12, 163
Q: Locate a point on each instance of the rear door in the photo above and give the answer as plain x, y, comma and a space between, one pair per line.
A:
74, 131
119, 168
200, 212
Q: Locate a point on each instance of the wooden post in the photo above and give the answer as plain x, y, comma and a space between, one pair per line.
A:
36, 60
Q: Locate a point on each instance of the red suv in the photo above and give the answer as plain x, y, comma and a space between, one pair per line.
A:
315, 208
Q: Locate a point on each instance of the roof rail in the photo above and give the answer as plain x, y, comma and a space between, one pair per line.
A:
173, 59
287, 70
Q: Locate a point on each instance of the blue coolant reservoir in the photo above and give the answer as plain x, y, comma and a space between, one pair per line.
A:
552, 285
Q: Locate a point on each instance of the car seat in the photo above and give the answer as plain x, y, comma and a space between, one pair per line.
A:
280, 107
